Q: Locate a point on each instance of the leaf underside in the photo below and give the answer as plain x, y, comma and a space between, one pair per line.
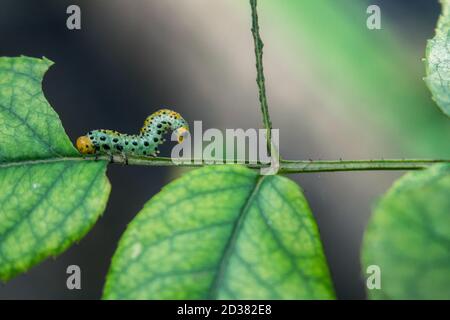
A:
408, 237
222, 233
438, 61
47, 200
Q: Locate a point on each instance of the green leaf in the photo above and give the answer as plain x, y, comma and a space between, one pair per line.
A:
29, 128
438, 61
222, 233
49, 196
408, 237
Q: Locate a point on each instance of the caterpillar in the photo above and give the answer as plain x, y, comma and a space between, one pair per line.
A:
110, 142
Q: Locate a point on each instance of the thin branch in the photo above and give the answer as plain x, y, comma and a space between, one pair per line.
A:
297, 166
357, 165
260, 80
286, 166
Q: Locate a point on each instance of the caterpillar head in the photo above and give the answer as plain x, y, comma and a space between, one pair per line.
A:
85, 145
181, 133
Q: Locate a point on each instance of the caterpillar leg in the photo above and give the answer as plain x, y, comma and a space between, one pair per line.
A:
155, 154
125, 158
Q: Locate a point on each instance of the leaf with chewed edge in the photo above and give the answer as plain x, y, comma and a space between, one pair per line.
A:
49, 196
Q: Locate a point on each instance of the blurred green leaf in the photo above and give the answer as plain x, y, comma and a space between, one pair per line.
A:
438, 61
374, 76
49, 198
222, 233
408, 237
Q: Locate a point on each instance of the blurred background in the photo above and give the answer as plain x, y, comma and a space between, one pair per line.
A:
335, 90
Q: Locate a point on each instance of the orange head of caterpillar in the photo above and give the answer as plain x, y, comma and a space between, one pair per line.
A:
85, 145
181, 133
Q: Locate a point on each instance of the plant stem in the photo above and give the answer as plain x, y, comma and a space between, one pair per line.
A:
297, 166
287, 166
260, 80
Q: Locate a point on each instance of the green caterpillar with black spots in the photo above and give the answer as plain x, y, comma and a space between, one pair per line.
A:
110, 142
